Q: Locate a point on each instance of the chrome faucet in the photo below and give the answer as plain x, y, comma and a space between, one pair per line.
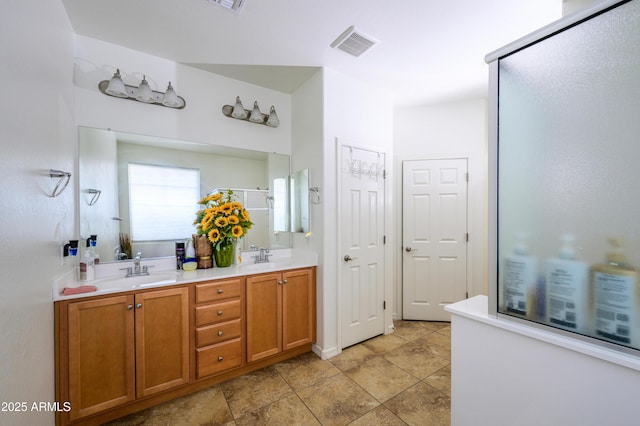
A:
263, 257
136, 270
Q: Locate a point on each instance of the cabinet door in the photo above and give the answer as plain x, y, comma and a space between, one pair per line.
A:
162, 340
101, 354
298, 308
264, 316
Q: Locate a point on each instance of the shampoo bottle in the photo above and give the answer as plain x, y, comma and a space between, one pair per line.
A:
615, 298
520, 281
567, 282
87, 267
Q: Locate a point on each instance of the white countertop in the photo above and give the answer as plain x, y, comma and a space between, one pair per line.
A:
476, 308
162, 272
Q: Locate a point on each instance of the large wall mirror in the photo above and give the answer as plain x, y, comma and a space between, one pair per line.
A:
117, 201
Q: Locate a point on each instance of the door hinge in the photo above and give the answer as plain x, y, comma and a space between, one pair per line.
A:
384, 304
384, 239
467, 237
467, 295
467, 176
384, 174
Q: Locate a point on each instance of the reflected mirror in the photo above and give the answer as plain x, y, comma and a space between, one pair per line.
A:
299, 217
156, 208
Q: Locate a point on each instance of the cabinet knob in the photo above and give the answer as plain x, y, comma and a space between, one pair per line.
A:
219, 313
280, 282
219, 333
139, 305
129, 307
220, 359
285, 281
219, 291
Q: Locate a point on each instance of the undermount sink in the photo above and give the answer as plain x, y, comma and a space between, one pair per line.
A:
140, 281
266, 266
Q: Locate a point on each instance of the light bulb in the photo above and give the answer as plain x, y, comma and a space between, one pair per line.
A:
238, 110
273, 120
144, 92
170, 98
256, 115
116, 86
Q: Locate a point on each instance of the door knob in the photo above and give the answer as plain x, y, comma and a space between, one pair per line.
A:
408, 249
348, 258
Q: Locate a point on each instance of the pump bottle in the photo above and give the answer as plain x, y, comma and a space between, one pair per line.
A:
520, 281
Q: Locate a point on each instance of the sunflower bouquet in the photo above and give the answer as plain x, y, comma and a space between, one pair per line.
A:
222, 219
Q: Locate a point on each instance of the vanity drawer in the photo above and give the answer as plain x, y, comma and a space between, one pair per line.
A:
218, 312
218, 290
218, 358
213, 334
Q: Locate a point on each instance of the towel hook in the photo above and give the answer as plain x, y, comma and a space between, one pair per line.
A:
96, 195
61, 175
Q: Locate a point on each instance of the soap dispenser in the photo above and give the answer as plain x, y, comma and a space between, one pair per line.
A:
615, 296
520, 280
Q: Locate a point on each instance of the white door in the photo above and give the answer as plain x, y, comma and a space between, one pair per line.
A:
361, 236
434, 237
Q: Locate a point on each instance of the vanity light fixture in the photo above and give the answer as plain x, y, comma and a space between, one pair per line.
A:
254, 116
142, 93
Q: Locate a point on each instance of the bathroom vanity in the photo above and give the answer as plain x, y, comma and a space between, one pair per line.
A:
133, 344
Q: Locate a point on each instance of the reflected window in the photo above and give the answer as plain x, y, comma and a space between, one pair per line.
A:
150, 187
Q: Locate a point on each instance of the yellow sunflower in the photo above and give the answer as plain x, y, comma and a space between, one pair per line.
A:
221, 222
226, 208
233, 219
246, 215
214, 235
236, 205
236, 231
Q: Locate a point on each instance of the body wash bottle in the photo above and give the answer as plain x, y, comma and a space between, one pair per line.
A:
567, 282
520, 281
615, 298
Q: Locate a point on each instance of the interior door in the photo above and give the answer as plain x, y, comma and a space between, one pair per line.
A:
434, 237
361, 231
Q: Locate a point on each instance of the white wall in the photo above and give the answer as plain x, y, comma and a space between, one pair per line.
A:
362, 114
37, 133
452, 130
205, 94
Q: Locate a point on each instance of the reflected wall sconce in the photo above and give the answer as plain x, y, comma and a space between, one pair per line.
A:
142, 93
238, 112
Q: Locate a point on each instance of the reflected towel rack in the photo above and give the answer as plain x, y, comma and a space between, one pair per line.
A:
61, 175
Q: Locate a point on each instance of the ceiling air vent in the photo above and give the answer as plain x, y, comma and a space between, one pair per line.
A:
354, 42
233, 5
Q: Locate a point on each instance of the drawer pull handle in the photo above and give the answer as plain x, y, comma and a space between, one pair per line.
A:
219, 333
219, 313
220, 359
139, 305
129, 307
219, 291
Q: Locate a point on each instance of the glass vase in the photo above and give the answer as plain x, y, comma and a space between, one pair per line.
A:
223, 255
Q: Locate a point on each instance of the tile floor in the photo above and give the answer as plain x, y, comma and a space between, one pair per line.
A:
403, 378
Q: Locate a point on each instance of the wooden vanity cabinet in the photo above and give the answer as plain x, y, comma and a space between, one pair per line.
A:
219, 325
115, 349
280, 312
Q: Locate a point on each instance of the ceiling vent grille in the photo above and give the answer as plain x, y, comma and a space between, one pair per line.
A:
354, 42
234, 6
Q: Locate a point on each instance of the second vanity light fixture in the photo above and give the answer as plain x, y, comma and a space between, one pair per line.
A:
143, 93
255, 115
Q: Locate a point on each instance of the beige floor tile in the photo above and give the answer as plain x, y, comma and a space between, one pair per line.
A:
410, 330
435, 344
305, 370
379, 416
421, 405
290, 411
350, 357
382, 344
205, 407
445, 331
381, 378
255, 390
435, 325
413, 358
441, 380
337, 400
